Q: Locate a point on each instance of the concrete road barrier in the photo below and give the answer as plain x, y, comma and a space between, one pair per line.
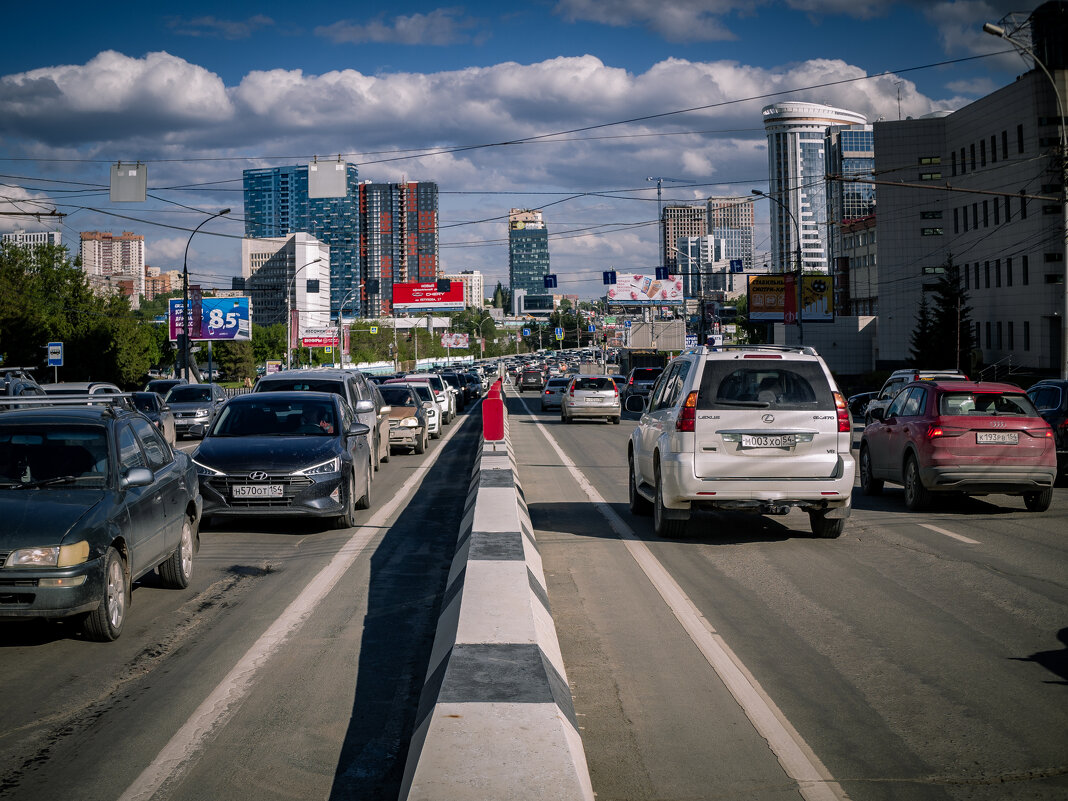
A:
496, 718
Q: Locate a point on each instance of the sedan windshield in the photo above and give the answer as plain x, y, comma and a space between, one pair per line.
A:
33, 457
276, 419
189, 394
398, 396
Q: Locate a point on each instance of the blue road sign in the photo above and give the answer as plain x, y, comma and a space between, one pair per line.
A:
55, 354
626, 323
526, 332
591, 328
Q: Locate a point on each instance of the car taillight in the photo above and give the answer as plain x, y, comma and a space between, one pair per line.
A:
935, 431
616, 388
572, 392
845, 425
688, 414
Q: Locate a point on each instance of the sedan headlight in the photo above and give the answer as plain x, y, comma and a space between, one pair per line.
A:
57, 556
333, 466
204, 470
202, 413
410, 422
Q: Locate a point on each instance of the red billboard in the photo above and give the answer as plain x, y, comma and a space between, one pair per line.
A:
425, 296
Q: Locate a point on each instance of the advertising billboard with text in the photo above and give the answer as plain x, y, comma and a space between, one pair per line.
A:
645, 290
769, 296
425, 296
221, 319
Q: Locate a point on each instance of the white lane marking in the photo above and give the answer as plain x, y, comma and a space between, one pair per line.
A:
952, 534
180, 753
797, 759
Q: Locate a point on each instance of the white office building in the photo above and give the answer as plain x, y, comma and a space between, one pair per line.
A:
796, 176
290, 272
474, 287
32, 238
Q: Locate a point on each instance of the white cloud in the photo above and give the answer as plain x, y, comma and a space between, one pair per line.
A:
16, 201
675, 20
442, 26
213, 27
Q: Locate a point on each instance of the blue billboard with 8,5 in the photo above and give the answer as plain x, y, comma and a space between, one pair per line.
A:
221, 319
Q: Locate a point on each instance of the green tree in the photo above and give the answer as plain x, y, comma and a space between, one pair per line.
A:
952, 331
268, 342
921, 343
235, 361
750, 333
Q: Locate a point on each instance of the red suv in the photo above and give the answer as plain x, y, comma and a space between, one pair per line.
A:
960, 436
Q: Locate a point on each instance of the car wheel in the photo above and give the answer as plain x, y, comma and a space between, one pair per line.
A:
664, 527
104, 624
869, 484
1038, 501
917, 496
347, 518
435, 434
177, 571
420, 445
376, 450
639, 504
385, 452
615, 420
365, 501
825, 527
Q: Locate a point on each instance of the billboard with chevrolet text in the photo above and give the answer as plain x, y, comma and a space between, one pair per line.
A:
220, 319
772, 299
425, 296
645, 290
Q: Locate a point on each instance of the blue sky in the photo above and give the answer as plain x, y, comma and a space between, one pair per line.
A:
205, 91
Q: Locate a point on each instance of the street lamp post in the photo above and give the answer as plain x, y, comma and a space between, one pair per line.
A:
291, 286
186, 311
997, 30
797, 288
482, 339
341, 326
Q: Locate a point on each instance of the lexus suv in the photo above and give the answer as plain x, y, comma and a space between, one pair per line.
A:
751, 428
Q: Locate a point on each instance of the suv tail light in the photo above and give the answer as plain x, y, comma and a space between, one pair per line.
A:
934, 431
687, 414
845, 424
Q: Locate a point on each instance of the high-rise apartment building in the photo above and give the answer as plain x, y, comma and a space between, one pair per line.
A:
731, 219
32, 238
277, 204
678, 221
796, 134
291, 272
474, 287
115, 263
702, 264
528, 252
398, 239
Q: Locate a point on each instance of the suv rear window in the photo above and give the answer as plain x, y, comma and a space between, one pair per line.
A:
986, 404
647, 373
301, 385
786, 385
594, 383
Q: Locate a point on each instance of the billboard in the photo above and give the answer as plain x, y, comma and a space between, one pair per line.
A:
319, 338
424, 296
772, 299
455, 340
645, 290
220, 319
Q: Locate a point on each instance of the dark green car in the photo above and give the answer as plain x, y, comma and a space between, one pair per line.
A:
92, 499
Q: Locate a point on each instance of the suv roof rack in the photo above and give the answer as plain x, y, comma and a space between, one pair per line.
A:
121, 400
803, 349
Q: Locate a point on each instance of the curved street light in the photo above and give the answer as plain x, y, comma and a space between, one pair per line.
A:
998, 31
797, 287
341, 326
186, 311
291, 287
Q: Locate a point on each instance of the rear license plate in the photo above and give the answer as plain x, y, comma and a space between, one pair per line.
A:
259, 491
775, 441
594, 400
997, 438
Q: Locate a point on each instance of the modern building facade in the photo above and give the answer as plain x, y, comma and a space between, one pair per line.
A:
528, 252
398, 240
731, 220
703, 265
296, 267
856, 271
680, 221
796, 134
32, 238
850, 154
474, 287
115, 263
1002, 223
277, 204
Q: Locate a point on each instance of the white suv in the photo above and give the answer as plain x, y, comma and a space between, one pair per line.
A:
756, 428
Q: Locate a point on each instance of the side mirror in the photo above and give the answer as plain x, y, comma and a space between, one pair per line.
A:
385, 409
366, 405
635, 403
359, 430
197, 430
877, 413
137, 477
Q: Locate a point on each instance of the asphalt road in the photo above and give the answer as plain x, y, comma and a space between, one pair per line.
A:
898, 661
290, 668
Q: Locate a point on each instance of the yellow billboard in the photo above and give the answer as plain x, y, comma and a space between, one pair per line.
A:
772, 299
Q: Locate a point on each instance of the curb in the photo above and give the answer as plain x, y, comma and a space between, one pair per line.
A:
496, 718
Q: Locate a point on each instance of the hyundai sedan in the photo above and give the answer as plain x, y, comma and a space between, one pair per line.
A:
296, 454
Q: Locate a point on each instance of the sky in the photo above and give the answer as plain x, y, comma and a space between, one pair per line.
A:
568, 106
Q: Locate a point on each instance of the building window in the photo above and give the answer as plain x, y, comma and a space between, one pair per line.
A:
1027, 335
986, 272
1051, 209
930, 232
971, 152
1008, 271
993, 150
978, 338
1048, 257
953, 162
1025, 277
975, 215
1012, 339
986, 214
963, 170
977, 275
956, 221
997, 272
930, 215
997, 328
982, 153
1019, 139
1008, 209
1005, 144
989, 341
1023, 206
930, 176
997, 211
967, 277
925, 160
965, 219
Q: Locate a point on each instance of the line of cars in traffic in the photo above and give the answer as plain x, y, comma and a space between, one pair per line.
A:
95, 496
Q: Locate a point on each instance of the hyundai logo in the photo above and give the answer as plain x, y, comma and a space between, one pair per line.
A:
768, 418
257, 475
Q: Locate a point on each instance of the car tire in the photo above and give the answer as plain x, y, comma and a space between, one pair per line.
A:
375, 449
365, 501
385, 452
869, 484
347, 518
1038, 501
420, 445
639, 504
663, 526
917, 496
177, 571
615, 420
104, 624
435, 434
824, 527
